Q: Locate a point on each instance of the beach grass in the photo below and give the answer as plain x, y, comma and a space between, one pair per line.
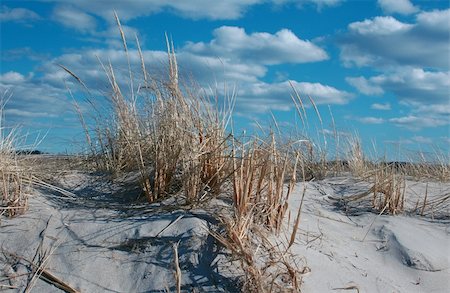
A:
180, 141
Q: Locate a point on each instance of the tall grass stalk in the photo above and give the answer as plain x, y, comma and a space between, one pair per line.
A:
14, 176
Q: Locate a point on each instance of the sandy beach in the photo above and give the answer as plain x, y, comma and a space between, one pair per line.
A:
100, 237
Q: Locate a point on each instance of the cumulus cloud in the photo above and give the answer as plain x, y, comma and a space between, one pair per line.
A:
436, 20
382, 107
21, 15
416, 122
387, 42
12, 77
379, 26
425, 93
27, 114
422, 139
365, 86
260, 48
413, 59
23, 52
319, 3
370, 120
399, 141
253, 95
408, 84
74, 18
205, 70
31, 98
261, 96
196, 9
427, 109
397, 6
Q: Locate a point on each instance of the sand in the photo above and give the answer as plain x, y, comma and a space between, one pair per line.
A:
104, 240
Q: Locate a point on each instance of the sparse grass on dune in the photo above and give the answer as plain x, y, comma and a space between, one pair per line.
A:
173, 136
177, 139
260, 200
15, 178
389, 181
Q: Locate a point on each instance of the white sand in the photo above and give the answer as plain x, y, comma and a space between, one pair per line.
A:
96, 244
399, 253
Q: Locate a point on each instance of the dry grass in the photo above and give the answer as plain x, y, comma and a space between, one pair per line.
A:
388, 190
388, 179
260, 204
176, 137
260, 173
434, 166
357, 162
15, 177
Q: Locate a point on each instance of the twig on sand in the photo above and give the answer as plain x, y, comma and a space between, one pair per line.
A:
170, 225
177, 272
7, 286
352, 287
45, 275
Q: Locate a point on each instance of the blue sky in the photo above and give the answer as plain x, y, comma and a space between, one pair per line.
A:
382, 67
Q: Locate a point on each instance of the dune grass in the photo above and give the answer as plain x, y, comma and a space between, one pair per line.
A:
15, 177
389, 180
178, 139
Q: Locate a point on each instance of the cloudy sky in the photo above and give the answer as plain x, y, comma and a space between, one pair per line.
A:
381, 67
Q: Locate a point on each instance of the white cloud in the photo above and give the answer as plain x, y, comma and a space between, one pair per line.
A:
333, 133
323, 94
260, 48
370, 120
261, 96
425, 93
364, 86
379, 26
399, 141
22, 52
231, 9
205, 70
194, 9
28, 114
385, 42
18, 15
300, 3
422, 139
397, 6
253, 95
415, 123
32, 98
382, 107
74, 18
415, 84
437, 20
428, 109
12, 77
324, 2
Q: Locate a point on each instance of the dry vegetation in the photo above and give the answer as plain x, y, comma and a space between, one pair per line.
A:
389, 180
179, 141
15, 177
177, 138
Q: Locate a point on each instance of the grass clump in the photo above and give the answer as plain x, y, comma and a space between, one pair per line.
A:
260, 205
175, 137
14, 176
